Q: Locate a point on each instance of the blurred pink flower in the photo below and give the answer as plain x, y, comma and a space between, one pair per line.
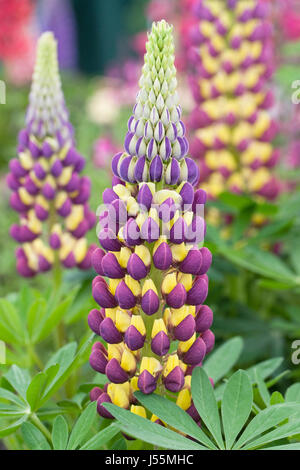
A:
290, 21
160, 9
139, 43
104, 149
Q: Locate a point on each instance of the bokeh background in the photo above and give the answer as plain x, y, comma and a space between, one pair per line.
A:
101, 45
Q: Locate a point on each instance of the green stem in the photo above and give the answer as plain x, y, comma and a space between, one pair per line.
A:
37, 422
35, 358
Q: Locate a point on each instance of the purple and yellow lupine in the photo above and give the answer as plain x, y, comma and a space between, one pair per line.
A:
49, 193
232, 61
152, 314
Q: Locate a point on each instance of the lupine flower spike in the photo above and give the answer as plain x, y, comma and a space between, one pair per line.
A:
150, 233
232, 61
48, 192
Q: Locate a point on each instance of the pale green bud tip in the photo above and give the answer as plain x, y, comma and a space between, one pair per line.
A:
46, 58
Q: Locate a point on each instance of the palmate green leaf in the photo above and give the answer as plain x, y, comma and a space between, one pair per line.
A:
293, 393
267, 419
35, 390
152, 433
260, 262
11, 328
54, 317
11, 411
102, 437
35, 317
262, 388
66, 366
266, 368
236, 405
60, 433
295, 446
7, 429
223, 359
204, 400
82, 426
38, 385
276, 398
33, 437
119, 444
174, 416
8, 395
19, 379
286, 430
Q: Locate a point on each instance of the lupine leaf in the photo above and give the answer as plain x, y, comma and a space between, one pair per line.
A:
153, 433
19, 379
66, 368
10, 428
265, 368
33, 437
267, 419
204, 399
35, 316
54, 317
295, 446
102, 437
236, 405
223, 359
293, 393
286, 430
276, 398
262, 388
35, 390
8, 395
82, 426
60, 433
174, 416
11, 329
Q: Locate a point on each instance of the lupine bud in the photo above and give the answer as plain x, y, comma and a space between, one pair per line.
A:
150, 229
160, 343
232, 60
45, 180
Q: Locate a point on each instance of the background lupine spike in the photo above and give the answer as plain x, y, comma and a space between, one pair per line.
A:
232, 61
157, 282
48, 192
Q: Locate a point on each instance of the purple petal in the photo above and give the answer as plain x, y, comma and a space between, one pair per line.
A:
95, 318
150, 302
177, 297
162, 257
125, 297
109, 332
198, 293
156, 169
115, 373
136, 267
160, 344
111, 267
174, 380
196, 352
98, 361
146, 382
209, 339
185, 329
133, 338
103, 296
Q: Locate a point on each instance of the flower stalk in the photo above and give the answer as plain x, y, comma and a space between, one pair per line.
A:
48, 192
151, 236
